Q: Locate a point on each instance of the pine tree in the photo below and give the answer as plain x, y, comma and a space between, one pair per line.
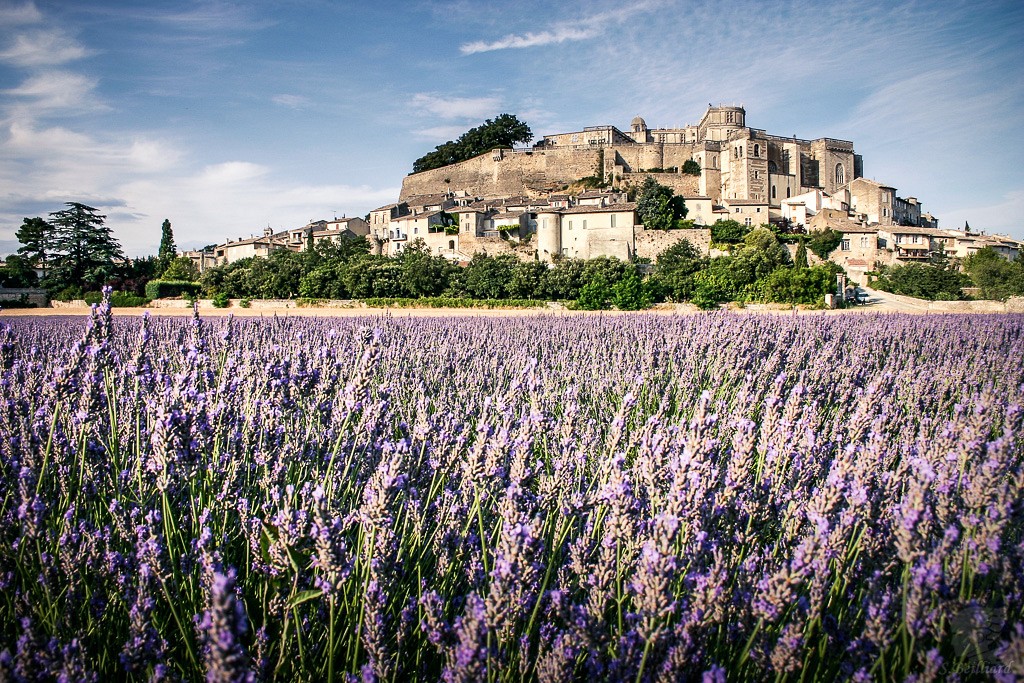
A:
35, 235
84, 247
168, 251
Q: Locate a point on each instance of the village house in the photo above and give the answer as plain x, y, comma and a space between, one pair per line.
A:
236, 250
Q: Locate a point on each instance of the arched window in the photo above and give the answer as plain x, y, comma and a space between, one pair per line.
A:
451, 245
787, 193
773, 192
840, 174
773, 167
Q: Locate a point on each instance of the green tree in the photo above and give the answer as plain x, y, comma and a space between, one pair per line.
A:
527, 280
997, 277
167, 251
504, 131
36, 236
824, 242
923, 281
562, 282
181, 268
422, 273
18, 272
595, 295
691, 167
487, 277
675, 267
631, 293
799, 285
761, 254
657, 206
84, 246
728, 231
800, 260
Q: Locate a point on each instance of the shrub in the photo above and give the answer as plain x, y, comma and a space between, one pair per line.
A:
167, 289
728, 231
245, 303
824, 243
595, 295
117, 299
221, 300
631, 293
796, 285
922, 281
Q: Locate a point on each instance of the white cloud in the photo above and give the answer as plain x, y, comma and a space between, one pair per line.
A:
291, 101
42, 48
440, 132
457, 107
513, 41
11, 15
57, 90
231, 172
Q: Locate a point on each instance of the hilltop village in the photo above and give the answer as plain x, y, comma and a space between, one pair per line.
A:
530, 202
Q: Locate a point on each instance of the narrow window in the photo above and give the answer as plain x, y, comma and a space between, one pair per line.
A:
584, 223
840, 174
451, 245
757, 150
613, 220
773, 192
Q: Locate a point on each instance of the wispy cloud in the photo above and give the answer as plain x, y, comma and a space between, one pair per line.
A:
589, 26
42, 48
457, 107
57, 90
513, 41
14, 15
291, 101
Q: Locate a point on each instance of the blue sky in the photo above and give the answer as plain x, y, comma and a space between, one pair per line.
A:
228, 117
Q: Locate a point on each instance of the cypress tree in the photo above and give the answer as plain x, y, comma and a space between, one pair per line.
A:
168, 251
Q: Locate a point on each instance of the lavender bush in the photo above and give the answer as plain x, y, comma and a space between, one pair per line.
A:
643, 498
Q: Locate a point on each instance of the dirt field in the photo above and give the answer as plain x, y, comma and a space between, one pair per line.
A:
878, 302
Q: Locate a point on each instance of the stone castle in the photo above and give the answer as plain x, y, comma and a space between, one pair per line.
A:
739, 165
519, 202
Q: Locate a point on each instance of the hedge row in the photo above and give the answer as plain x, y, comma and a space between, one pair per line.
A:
165, 289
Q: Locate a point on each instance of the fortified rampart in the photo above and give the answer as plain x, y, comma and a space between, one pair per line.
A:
536, 172
506, 173
650, 243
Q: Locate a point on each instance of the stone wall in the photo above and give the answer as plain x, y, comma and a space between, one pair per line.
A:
685, 185
493, 246
31, 295
650, 243
504, 173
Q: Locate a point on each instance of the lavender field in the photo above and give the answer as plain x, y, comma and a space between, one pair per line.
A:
637, 498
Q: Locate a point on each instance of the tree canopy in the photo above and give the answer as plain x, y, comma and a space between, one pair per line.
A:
504, 131
85, 250
35, 235
997, 277
658, 207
